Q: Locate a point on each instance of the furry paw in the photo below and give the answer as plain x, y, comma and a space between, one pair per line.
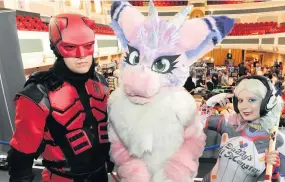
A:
134, 170
160, 177
168, 180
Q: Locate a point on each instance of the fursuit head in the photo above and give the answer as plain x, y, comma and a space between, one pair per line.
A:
154, 129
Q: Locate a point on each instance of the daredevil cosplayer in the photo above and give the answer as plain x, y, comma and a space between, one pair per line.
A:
61, 113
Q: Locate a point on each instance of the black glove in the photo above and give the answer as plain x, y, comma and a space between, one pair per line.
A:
22, 179
20, 166
110, 166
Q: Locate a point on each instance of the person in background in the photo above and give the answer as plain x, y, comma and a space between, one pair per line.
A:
248, 65
258, 69
279, 85
225, 79
99, 75
274, 78
248, 73
281, 68
242, 69
108, 73
255, 61
215, 80
220, 76
209, 84
283, 84
201, 81
116, 73
253, 68
189, 85
61, 114
267, 72
276, 67
194, 77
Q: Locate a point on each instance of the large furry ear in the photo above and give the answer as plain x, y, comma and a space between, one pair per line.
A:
200, 35
125, 20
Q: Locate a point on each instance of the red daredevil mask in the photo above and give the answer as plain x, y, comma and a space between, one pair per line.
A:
72, 35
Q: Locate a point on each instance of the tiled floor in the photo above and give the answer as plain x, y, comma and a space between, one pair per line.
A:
205, 167
5, 178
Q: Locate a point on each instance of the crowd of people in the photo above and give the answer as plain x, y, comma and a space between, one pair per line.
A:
222, 77
207, 81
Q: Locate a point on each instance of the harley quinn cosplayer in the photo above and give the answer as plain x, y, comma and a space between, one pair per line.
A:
243, 154
160, 138
61, 113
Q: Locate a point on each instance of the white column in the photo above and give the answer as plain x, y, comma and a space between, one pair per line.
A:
22, 5
87, 8
99, 6
103, 11
58, 7
10, 4
75, 3
61, 6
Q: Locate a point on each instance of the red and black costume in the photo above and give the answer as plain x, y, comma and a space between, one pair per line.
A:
63, 115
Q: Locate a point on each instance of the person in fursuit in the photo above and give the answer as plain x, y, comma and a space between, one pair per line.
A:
155, 133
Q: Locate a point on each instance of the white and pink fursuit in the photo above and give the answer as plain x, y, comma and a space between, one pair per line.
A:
154, 128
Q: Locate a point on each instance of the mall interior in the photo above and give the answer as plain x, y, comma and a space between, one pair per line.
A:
255, 46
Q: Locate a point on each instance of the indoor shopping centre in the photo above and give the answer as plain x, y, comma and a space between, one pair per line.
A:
90, 90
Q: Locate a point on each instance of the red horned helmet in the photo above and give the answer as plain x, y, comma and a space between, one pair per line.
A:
72, 35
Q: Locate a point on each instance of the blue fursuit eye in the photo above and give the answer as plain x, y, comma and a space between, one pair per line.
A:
164, 64
133, 57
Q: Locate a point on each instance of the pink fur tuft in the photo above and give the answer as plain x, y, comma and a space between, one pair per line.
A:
184, 164
196, 31
130, 23
195, 136
130, 169
119, 153
134, 171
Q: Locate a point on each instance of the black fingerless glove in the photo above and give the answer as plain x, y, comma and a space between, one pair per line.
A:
110, 166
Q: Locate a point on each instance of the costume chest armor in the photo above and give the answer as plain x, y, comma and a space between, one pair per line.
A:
68, 111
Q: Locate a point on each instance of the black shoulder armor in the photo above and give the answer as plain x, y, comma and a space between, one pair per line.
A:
46, 78
38, 85
33, 88
36, 77
33, 91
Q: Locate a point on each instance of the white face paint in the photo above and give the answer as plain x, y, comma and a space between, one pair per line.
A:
249, 105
